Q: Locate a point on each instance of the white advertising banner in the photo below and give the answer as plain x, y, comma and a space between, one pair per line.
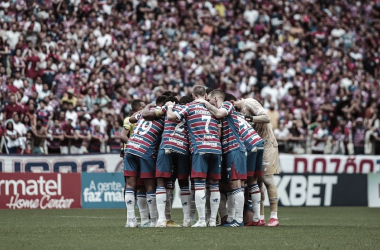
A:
374, 190
61, 163
329, 164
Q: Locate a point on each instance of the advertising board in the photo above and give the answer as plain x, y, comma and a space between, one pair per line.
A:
40, 191
103, 190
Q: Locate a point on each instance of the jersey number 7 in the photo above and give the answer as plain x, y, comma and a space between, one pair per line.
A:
208, 119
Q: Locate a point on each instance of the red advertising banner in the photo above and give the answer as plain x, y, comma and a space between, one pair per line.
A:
40, 191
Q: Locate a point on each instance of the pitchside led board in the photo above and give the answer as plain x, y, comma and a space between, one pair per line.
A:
103, 190
374, 190
39, 190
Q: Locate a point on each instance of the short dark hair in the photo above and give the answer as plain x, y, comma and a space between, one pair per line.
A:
169, 93
199, 90
229, 97
185, 99
135, 104
161, 100
171, 99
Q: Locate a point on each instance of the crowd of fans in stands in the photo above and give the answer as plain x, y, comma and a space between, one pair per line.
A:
69, 69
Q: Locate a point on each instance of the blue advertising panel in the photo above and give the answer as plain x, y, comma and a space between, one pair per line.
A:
103, 190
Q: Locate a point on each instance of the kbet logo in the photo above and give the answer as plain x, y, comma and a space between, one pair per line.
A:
299, 190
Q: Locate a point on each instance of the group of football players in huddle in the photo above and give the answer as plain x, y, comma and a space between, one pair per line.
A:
222, 151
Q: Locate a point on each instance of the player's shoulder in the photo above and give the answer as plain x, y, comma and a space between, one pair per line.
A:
252, 101
254, 105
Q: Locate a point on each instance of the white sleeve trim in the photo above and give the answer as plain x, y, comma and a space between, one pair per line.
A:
178, 116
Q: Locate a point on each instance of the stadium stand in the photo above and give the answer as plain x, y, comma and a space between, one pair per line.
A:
69, 65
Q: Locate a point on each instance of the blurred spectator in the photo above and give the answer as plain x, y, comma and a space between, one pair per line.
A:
314, 60
69, 137
55, 134
99, 121
114, 138
296, 138
358, 136
98, 140
274, 116
39, 137
339, 141
11, 108
282, 136
11, 138
84, 136
320, 135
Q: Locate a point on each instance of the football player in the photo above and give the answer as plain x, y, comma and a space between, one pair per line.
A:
173, 161
205, 148
234, 154
255, 149
254, 112
140, 162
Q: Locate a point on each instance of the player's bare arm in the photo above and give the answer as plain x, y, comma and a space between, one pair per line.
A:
258, 113
133, 118
170, 113
124, 135
217, 113
150, 115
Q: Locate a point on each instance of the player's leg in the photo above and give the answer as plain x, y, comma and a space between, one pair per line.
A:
142, 203
236, 160
199, 174
223, 203
271, 157
225, 178
262, 193
183, 165
255, 166
208, 208
214, 174
248, 209
193, 208
273, 201
130, 173
147, 173
163, 173
169, 202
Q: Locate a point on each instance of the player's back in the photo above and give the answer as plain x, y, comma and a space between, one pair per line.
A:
231, 138
203, 129
250, 137
263, 129
175, 136
145, 138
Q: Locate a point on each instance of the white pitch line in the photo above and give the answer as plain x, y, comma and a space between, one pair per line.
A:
90, 217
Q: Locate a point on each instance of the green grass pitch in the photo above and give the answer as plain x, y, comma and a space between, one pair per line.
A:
300, 228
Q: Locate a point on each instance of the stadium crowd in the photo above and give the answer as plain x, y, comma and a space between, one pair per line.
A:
70, 69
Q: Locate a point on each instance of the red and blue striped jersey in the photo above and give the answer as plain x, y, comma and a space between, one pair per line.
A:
250, 137
175, 135
43, 115
146, 137
231, 138
202, 128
